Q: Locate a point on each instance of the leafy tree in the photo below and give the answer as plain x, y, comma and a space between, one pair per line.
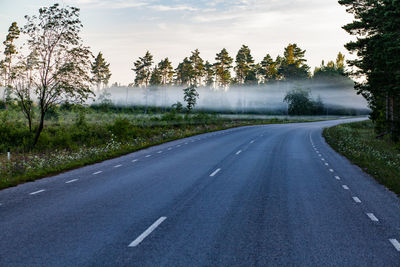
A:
332, 71
9, 52
376, 26
166, 71
190, 97
300, 102
63, 63
244, 65
293, 65
222, 68
198, 67
101, 71
143, 70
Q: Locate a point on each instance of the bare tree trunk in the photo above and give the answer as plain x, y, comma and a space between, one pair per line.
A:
39, 129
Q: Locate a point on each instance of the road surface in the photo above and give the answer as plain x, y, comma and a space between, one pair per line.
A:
273, 195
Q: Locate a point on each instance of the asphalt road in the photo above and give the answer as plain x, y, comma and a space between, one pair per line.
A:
274, 195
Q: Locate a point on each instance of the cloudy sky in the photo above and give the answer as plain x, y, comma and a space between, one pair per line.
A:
124, 29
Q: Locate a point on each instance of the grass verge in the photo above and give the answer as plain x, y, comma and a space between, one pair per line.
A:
378, 157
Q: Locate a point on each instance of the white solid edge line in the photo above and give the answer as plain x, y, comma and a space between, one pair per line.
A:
117, 166
395, 243
148, 231
356, 199
97, 172
71, 181
215, 172
345, 187
37, 192
372, 217
240, 151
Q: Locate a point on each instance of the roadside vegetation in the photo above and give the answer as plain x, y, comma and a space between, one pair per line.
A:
380, 157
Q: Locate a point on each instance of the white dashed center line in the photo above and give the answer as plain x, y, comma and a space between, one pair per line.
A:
356, 199
240, 151
331, 170
37, 192
159, 152
345, 187
372, 217
215, 172
178, 145
326, 164
252, 142
97, 172
148, 231
395, 243
337, 177
169, 148
117, 166
148, 156
134, 160
71, 181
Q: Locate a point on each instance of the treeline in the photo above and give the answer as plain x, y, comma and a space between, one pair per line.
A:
194, 70
376, 26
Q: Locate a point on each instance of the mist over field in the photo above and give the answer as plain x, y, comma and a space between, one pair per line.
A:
237, 98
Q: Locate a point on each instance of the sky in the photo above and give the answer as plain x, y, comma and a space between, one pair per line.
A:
124, 30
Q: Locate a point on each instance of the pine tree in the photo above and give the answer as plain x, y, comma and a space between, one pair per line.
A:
222, 68
244, 65
156, 78
166, 72
209, 73
185, 73
376, 26
143, 70
10, 49
198, 67
268, 70
190, 97
294, 64
101, 71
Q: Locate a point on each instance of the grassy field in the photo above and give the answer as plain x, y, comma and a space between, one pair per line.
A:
378, 157
77, 136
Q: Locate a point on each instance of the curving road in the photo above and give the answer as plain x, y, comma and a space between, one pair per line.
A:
274, 195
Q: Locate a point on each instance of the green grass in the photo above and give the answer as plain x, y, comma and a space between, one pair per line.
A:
378, 157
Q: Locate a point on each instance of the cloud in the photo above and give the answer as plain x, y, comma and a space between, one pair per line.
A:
173, 8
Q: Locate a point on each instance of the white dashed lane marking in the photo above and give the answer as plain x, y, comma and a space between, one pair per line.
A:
71, 181
148, 156
117, 166
37, 192
345, 187
159, 152
215, 172
356, 199
148, 231
372, 217
240, 151
395, 243
331, 170
134, 160
97, 172
337, 177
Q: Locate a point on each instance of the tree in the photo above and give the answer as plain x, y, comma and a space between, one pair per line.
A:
63, 63
101, 71
198, 67
155, 79
293, 65
222, 68
9, 52
268, 70
244, 65
376, 26
190, 97
209, 73
143, 70
185, 74
166, 71
300, 102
